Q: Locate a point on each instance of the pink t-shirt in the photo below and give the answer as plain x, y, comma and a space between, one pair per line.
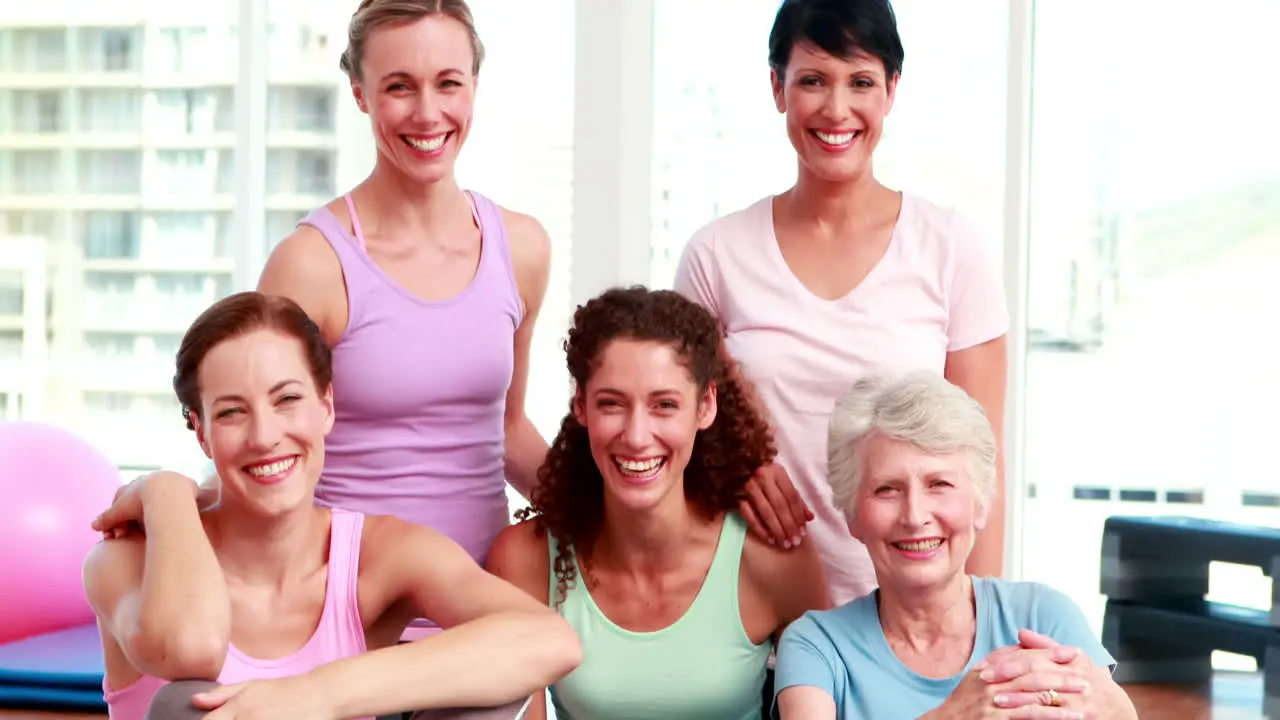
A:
339, 634
938, 289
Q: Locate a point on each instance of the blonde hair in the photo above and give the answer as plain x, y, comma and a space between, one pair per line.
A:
374, 14
921, 408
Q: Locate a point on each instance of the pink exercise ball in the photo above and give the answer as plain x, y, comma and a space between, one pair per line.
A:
52, 485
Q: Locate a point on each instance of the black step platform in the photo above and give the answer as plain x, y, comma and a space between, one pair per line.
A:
1158, 625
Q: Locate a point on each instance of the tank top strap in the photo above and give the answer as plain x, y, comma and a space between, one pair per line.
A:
355, 222
342, 596
495, 252
718, 600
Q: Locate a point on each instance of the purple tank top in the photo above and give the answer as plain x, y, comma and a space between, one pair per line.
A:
419, 390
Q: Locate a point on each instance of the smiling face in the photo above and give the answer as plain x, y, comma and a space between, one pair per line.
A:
917, 513
642, 411
263, 421
835, 110
418, 88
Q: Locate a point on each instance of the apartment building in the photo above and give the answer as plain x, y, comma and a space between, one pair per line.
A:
117, 160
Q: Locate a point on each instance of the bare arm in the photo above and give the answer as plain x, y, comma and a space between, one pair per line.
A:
162, 597
531, 261
792, 580
982, 371
805, 703
499, 644
521, 558
305, 269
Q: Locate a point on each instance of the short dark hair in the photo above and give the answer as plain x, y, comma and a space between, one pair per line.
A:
839, 28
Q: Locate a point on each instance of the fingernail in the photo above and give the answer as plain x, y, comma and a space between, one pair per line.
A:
786, 544
771, 542
987, 675
795, 541
1002, 700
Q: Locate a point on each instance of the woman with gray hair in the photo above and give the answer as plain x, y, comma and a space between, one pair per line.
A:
912, 465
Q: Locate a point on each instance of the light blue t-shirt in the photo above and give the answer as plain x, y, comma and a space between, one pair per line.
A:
844, 653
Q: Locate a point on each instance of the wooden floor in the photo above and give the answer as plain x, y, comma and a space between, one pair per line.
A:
1232, 697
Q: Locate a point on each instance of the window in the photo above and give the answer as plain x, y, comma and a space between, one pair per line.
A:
1153, 253
110, 172
34, 50
182, 172
184, 112
180, 238
31, 222
11, 303
38, 111
302, 172
180, 49
110, 235
303, 109
109, 111
35, 172
113, 49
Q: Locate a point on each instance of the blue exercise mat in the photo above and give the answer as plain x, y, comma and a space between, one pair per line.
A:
67, 659
51, 698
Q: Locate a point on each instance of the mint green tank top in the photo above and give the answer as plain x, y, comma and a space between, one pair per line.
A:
701, 667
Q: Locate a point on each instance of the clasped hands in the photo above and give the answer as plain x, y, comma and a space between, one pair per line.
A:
1038, 679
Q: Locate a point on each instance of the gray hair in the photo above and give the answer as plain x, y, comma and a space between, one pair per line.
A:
921, 408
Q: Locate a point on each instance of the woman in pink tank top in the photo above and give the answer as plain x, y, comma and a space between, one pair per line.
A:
427, 294
292, 608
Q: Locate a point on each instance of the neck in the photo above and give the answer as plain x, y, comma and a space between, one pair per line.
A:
273, 550
839, 204
922, 618
392, 199
645, 542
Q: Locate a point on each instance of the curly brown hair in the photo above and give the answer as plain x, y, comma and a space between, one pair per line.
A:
568, 500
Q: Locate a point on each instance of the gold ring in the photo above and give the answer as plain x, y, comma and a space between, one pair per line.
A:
1054, 698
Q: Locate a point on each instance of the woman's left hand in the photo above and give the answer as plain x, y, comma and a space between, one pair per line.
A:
1041, 672
291, 698
773, 508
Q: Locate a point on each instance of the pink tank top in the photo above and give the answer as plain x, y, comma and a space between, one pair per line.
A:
339, 635
420, 390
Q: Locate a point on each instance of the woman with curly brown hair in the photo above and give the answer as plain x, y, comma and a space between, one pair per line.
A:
634, 535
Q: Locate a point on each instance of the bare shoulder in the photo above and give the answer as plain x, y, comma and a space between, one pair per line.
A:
304, 268
530, 249
386, 537
519, 555
792, 578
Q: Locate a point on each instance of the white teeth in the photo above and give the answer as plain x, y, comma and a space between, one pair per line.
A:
919, 545
835, 138
428, 145
274, 468
638, 467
